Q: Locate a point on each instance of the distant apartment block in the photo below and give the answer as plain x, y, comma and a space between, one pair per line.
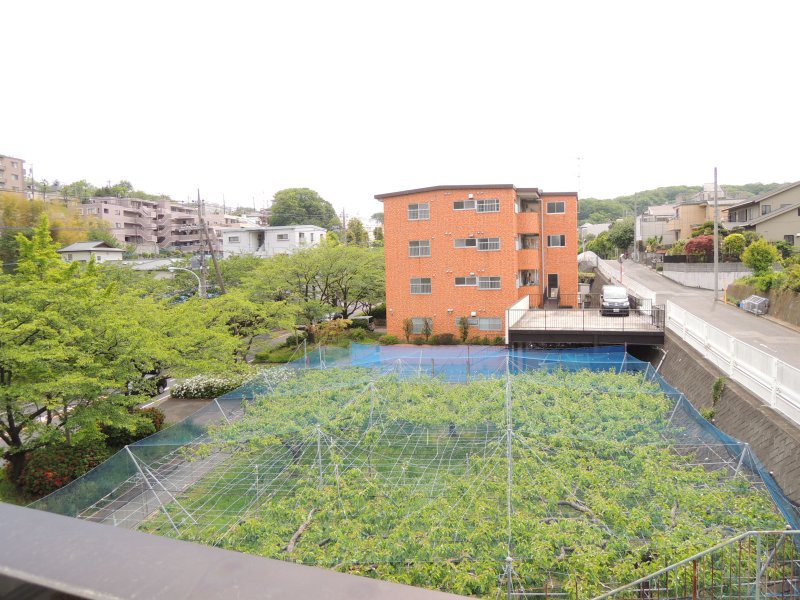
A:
473, 251
154, 225
269, 241
12, 174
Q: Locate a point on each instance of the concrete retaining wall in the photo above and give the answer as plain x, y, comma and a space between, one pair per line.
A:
701, 275
738, 413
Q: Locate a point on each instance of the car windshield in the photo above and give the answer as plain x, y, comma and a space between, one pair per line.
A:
615, 293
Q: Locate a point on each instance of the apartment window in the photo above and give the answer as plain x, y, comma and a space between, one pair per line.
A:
466, 243
464, 205
732, 216
234, 239
283, 237
118, 225
69, 257
490, 324
488, 205
13, 165
98, 257
488, 244
105, 211
765, 209
556, 241
554, 208
465, 281
482, 323
420, 285
312, 236
302, 235
419, 212
418, 324
529, 277
418, 248
789, 239
488, 283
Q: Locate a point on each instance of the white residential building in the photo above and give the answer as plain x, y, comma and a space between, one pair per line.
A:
269, 241
83, 251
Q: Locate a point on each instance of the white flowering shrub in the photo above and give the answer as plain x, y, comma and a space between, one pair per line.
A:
206, 386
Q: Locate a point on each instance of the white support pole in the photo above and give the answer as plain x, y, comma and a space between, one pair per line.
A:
227, 420
149, 485
186, 512
319, 454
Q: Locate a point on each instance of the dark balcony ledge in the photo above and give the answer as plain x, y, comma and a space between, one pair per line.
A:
88, 560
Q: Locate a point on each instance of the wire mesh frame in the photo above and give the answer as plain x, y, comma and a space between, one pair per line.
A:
162, 478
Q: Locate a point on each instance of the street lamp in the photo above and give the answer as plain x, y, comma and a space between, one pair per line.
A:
199, 283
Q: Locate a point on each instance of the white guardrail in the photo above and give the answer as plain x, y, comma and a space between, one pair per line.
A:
769, 378
613, 274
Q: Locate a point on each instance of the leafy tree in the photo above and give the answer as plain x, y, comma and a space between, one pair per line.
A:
427, 329
733, 245
621, 233
408, 329
677, 248
122, 189
302, 206
702, 245
103, 234
652, 243
69, 346
784, 248
601, 245
760, 256
377, 217
463, 329
377, 234
356, 234
78, 189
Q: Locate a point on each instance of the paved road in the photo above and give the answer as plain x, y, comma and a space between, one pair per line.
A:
761, 333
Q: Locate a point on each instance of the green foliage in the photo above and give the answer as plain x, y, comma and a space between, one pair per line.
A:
377, 217
205, 386
717, 389
444, 339
151, 421
378, 311
653, 243
414, 481
54, 466
388, 340
734, 245
793, 277
621, 233
356, 234
760, 256
427, 329
677, 248
602, 246
302, 206
784, 248
586, 277
463, 329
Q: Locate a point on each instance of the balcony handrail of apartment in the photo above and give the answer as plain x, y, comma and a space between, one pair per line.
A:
771, 575
650, 318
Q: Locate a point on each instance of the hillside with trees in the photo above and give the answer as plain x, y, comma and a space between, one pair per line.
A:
595, 210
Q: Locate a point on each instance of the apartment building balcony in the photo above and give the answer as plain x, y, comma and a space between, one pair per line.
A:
578, 320
529, 221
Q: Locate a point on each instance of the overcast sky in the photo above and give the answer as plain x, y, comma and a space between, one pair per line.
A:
353, 99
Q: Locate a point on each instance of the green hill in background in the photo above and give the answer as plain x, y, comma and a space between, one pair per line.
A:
596, 210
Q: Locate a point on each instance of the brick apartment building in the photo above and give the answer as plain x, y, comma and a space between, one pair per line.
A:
12, 174
473, 251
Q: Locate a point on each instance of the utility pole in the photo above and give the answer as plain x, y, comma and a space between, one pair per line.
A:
344, 227
716, 240
202, 248
635, 241
210, 246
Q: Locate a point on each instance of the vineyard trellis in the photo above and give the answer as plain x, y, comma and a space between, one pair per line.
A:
489, 473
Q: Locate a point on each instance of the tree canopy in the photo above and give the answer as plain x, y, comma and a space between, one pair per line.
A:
302, 206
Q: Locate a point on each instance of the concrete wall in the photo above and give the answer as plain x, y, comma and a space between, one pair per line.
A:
771, 436
701, 275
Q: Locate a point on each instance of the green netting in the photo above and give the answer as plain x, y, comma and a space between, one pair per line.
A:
435, 466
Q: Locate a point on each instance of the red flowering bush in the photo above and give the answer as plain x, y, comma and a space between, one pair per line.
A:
152, 421
702, 245
54, 466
